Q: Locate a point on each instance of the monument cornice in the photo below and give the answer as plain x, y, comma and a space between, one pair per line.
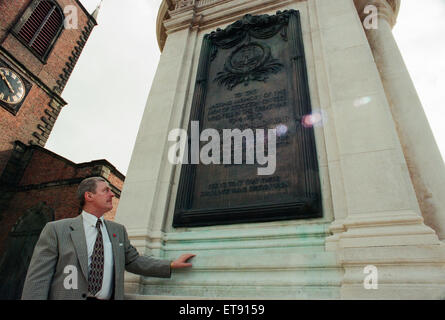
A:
174, 15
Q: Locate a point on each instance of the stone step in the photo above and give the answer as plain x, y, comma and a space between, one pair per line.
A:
254, 240
285, 275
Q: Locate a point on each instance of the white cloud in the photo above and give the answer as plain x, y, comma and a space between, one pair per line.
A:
108, 89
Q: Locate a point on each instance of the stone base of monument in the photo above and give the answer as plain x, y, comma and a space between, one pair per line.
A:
407, 255
288, 262
282, 276
292, 261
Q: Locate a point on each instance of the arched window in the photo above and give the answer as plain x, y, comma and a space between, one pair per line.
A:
39, 27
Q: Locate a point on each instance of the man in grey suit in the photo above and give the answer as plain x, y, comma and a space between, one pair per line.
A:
84, 258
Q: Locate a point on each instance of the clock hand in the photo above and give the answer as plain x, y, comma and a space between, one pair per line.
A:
7, 82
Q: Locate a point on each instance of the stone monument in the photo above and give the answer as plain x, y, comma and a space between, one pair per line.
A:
349, 202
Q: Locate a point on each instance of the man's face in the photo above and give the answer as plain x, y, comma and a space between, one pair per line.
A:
102, 200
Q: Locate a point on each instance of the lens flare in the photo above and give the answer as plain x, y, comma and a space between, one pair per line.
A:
362, 101
281, 130
315, 119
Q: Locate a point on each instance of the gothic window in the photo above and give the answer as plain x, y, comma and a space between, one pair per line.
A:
40, 26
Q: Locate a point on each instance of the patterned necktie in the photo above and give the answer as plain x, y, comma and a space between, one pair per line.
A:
97, 263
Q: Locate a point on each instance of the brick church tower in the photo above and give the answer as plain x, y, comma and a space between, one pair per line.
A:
37, 55
40, 44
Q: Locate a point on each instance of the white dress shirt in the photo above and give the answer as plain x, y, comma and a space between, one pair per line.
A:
89, 224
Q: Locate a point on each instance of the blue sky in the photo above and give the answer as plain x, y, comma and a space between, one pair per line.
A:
108, 89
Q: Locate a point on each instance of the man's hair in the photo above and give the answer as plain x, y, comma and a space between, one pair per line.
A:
87, 185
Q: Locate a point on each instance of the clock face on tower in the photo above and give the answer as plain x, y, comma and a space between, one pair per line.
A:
12, 88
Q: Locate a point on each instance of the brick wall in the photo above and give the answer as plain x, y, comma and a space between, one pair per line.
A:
10, 11
23, 124
47, 167
53, 179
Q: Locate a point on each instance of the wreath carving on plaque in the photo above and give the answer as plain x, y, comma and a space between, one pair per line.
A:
251, 61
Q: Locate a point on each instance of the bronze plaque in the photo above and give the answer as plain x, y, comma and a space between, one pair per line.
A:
251, 75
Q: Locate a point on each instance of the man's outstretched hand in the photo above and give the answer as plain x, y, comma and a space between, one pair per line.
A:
181, 262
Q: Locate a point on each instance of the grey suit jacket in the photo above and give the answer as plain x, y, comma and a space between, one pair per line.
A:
62, 244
